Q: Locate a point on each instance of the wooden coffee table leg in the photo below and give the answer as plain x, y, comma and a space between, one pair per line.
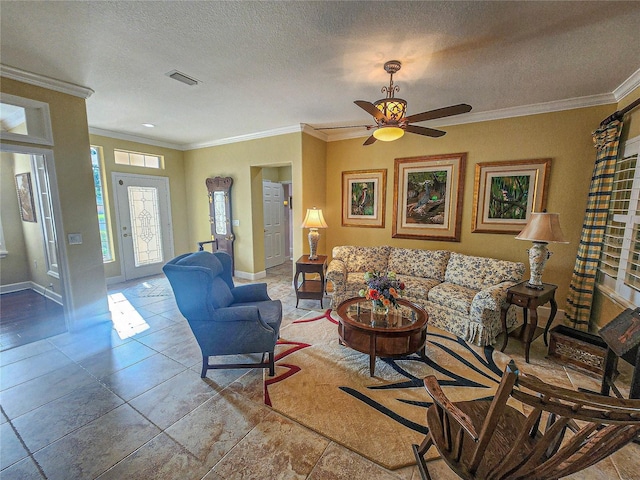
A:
372, 355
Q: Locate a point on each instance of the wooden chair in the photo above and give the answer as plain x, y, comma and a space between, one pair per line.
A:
488, 439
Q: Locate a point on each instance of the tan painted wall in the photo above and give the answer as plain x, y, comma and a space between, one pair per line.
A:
236, 161
314, 192
563, 136
14, 268
173, 168
86, 295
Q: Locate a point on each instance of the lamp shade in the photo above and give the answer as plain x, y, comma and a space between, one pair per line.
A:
543, 227
388, 134
314, 219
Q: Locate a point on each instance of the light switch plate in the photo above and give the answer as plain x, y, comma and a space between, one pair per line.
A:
75, 238
236, 223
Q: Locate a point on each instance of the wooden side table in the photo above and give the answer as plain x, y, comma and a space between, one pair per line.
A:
529, 299
310, 289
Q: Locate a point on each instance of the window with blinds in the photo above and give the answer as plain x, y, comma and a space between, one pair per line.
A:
620, 259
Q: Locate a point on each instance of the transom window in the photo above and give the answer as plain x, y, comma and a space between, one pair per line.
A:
136, 159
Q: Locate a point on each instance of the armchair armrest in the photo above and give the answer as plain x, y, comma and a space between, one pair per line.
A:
439, 398
243, 313
254, 292
337, 274
493, 297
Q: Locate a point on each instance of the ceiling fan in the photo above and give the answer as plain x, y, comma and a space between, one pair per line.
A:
389, 113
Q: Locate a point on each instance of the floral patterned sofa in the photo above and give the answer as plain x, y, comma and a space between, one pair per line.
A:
462, 294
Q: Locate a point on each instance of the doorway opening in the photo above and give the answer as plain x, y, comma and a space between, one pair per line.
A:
33, 300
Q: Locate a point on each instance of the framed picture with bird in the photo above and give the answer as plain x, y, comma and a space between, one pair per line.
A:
427, 197
506, 193
363, 198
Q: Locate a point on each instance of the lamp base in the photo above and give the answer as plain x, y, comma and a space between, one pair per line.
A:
314, 236
538, 256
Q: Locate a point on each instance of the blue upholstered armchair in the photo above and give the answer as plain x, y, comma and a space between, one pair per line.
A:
225, 319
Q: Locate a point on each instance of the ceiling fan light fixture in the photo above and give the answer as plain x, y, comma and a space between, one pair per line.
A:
388, 134
393, 109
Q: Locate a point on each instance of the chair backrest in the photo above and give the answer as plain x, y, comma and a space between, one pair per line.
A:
599, 426
200, 283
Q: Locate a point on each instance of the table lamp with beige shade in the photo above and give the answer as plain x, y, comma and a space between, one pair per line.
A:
313, 221
542, 229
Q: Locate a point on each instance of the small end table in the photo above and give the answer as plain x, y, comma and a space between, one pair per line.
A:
529, 299
310, 289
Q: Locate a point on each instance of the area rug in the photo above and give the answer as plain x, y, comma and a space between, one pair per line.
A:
327, 387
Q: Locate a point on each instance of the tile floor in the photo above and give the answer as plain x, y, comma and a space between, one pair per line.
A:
128, 403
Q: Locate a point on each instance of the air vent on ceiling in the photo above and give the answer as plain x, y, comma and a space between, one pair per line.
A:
181, 77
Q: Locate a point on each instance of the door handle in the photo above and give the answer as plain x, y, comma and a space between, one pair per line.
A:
125, 235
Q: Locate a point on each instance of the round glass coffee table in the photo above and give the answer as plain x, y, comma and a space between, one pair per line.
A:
400, 332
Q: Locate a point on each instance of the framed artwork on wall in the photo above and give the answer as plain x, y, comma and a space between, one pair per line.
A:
25, 197
427, 197
363, 198
505, 194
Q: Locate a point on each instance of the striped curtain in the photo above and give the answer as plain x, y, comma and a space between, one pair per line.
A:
606, 140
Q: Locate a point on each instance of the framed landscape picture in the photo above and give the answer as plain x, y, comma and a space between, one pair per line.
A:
363, 198
427, 197
505, 194
25, 197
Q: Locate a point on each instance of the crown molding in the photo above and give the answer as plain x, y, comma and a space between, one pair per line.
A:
309, 130
244, 138
134, 138
628, 86
45, 82
511, 112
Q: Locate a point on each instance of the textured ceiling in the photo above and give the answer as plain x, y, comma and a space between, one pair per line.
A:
272, 65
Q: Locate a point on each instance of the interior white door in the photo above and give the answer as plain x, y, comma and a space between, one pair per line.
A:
144, 223
273, 195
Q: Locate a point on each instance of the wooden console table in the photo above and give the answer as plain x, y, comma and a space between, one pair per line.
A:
529, 299
310, 289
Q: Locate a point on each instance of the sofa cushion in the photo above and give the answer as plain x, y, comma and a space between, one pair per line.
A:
419, 263
355, 282
466, 271
416, 287
499, 271
481, 272
453, 296
364, 259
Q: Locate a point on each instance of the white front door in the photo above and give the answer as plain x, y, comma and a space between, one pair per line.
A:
273, 194
144, 223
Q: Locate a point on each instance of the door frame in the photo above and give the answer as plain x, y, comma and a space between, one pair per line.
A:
115, 176
63, 261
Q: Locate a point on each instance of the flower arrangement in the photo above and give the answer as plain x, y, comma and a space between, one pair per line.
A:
383, 289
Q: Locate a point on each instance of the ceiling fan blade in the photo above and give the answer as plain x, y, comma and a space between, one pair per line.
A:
429, 132
370, 140
439, 113
370, 108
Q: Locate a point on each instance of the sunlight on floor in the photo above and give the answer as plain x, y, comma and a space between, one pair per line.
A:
126, 319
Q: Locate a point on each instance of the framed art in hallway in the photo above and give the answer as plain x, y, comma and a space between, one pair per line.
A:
427, 197
505, 194
25, 197
363, 198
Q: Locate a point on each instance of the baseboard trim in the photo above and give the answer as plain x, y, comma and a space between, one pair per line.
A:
250, 276
114, 280
44, 291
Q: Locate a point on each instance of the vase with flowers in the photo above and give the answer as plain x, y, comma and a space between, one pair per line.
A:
383, 289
